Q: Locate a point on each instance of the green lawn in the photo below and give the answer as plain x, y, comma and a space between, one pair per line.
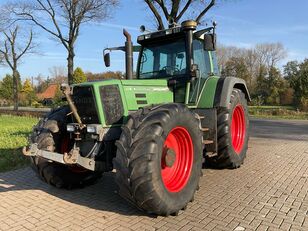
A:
277, 112
14, 132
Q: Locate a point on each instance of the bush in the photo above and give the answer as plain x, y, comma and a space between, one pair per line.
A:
304, 104
36, 104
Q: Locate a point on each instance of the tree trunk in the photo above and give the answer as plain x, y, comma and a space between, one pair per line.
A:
15, 88
70, 65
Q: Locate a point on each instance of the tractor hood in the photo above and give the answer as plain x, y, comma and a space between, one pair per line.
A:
139, 93
115, 99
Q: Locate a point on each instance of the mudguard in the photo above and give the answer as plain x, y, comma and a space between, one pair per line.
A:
224, 89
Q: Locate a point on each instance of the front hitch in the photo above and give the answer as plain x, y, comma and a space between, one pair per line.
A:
71, 158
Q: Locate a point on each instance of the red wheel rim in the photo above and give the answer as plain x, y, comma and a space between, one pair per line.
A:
175, 175
238, 128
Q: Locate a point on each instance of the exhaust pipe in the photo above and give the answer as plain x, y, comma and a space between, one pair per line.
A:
189, 26
128, 55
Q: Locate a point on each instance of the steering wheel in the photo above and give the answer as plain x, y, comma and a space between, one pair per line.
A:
170, 69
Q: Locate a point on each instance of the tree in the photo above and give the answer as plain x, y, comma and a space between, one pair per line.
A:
225, 53
237, 67
261, 90
15, 47
27, 86
275, 86
79, 76
28, 93
270, 54
62, 19
6, 88
258, 66
58, 74
170, 12
297, 75
105, 75
291, 71
41, 84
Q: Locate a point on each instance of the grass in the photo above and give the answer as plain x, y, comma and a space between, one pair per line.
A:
14, 132
277, 112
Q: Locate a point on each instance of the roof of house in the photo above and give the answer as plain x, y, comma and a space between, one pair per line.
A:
49, 93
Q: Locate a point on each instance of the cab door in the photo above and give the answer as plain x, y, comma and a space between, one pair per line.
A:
202, 60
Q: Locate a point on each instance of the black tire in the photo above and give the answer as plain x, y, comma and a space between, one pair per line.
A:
49, 134
228, 156
139, 155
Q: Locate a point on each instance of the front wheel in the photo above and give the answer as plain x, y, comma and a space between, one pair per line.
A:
232, 133
159, 158
50, 135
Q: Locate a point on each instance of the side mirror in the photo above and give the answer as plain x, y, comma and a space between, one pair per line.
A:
210, 42
107, 59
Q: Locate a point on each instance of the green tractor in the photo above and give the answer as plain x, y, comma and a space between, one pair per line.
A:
156, 130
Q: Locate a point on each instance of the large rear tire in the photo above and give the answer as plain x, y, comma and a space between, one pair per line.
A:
232, 133
159, 159
50, 134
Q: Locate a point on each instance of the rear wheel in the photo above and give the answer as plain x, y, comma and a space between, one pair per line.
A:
159, 158
50, 135
232, 133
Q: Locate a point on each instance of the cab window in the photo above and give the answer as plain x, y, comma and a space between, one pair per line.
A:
202, 59
163, 60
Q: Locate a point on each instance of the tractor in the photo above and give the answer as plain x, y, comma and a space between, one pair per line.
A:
155, 130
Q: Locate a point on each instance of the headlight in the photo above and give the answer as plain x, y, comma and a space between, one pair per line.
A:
91, 129
70, 128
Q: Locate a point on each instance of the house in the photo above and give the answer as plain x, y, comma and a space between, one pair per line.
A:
48, 95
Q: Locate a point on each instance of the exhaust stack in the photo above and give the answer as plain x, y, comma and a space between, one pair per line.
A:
128, 55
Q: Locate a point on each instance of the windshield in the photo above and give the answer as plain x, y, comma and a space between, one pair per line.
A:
163, 61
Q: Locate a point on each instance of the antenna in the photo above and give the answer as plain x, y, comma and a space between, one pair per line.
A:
214, 26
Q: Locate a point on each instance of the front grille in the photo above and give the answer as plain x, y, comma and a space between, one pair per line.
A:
112, 104
84, 101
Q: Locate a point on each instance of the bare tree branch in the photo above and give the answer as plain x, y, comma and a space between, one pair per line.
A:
212, 3
174, 9
28, 46
161, 3
183, 10
156, 14
171, 11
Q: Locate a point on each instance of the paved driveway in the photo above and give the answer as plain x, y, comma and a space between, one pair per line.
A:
269, 192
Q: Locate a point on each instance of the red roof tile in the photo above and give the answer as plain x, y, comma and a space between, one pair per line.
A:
49, 93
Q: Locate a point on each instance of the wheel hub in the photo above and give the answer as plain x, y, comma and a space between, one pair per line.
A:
170, 157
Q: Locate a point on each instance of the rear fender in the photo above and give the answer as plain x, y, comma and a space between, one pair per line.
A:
224, 89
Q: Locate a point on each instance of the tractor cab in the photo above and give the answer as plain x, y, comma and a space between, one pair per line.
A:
181, 55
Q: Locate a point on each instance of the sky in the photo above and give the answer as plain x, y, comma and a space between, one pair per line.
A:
241, 23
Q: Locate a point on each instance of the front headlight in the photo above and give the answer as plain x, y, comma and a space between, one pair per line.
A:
70, 128
91, 129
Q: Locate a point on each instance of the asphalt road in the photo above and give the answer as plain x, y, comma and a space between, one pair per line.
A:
279, 129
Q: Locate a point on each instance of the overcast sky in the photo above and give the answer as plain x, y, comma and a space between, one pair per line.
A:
241, 23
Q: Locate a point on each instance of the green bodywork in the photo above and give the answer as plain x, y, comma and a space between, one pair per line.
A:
138, 93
